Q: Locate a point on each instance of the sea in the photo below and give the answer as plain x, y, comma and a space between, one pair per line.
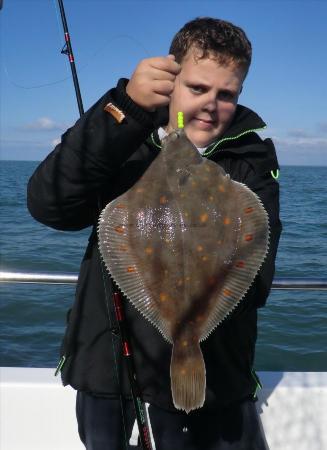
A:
292, 329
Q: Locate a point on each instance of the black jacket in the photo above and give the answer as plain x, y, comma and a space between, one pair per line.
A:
99, 159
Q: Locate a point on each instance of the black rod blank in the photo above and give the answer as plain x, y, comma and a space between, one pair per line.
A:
69, 52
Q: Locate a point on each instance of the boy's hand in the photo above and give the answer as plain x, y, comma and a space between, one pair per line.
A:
153, 82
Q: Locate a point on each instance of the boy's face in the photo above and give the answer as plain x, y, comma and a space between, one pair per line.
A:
207, 93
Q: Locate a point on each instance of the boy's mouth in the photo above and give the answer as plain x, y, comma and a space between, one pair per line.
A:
204, 123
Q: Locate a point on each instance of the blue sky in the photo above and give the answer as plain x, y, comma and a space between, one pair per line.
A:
286, 86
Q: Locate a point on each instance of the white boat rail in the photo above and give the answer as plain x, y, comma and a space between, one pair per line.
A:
71, 278
292, 405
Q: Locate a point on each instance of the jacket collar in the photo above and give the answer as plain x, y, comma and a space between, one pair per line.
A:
245, 121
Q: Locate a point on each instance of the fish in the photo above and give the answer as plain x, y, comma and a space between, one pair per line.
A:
184, 244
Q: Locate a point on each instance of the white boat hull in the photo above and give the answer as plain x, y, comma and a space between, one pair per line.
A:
38, 413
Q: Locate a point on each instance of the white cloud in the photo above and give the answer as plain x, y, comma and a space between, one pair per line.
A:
301, 142
298, 147
297, 138
55, 142
8, 142
298, 133
44, 124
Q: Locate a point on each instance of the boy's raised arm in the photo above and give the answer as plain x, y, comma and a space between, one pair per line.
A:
62, 193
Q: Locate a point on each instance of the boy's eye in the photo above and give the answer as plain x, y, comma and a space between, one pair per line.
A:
197, 89
226, 95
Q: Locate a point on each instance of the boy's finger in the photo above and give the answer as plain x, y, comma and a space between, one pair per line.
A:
161, 100
166, 64
157, 74
163, 87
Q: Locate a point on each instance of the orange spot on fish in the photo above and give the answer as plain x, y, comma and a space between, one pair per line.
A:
199, 318
120, 206
139, 190
227, 221
163, 297
227, 292
163, 200
249, 210
240, 264
204, 218
120, 229
183, 372
131, 269
122, 248
204, 258
199, 248
148, 250
221, 188
248, 237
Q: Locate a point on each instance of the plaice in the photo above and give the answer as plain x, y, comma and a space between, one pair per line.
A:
184, 244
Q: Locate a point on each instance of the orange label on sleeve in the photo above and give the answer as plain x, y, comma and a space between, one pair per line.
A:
115, 112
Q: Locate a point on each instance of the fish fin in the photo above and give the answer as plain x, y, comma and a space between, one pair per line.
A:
114, 232
246, 262
188, 377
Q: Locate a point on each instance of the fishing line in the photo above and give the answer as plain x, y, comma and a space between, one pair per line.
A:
82, 67
180, 113
99, 50
36, 86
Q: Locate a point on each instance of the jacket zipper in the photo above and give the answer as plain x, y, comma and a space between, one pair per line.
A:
210, 151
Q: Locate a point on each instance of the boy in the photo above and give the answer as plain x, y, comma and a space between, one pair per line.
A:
101, 157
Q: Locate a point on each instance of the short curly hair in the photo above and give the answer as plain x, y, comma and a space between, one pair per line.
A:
213, 37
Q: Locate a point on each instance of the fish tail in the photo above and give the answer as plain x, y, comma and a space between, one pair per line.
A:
188, 376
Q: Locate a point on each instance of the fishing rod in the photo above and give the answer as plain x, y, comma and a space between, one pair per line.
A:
67, 50
140, 411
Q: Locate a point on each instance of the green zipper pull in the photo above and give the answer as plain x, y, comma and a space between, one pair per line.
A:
60, 365
258, 384
275, 174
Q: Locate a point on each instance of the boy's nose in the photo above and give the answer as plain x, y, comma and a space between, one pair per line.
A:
211, 104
